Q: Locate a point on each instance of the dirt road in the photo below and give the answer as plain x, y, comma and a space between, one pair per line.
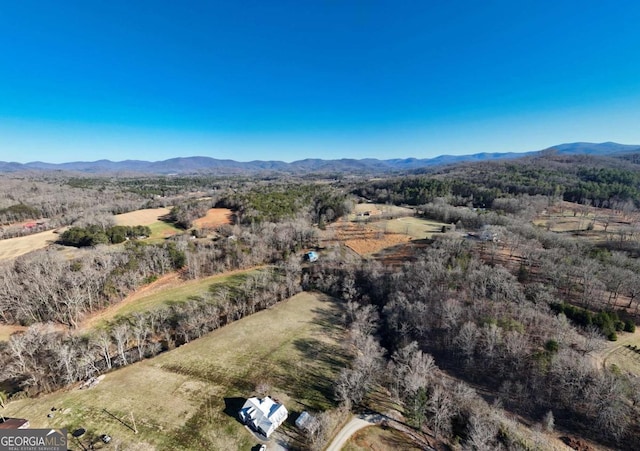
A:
353, 426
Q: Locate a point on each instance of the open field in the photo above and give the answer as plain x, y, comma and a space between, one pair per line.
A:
570, 217
164, 291
149, 217
14, 247
214, 218
372, 211
376, 233
161, 230
379, 439
143, 217
411, 226
617, 353
363, 238
188, 398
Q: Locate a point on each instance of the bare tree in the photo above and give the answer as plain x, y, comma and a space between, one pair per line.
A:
120, 334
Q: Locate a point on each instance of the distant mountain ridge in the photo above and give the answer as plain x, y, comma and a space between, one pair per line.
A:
208, 165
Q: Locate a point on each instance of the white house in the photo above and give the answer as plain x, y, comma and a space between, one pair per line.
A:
263, 415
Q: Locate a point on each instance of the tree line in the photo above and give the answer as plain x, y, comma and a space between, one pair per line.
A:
43, 359
93, 235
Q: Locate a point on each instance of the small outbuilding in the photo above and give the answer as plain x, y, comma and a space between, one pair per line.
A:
311, 256
263, 415
303, 419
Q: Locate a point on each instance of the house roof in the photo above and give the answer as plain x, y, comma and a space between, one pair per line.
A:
264, 414
14, 423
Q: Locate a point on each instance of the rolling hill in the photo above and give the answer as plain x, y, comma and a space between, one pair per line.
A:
200, 165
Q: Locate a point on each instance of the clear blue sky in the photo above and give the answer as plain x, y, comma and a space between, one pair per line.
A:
286, 80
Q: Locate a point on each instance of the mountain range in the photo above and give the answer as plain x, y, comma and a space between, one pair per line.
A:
207, 165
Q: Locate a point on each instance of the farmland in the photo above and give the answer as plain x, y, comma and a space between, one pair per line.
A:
145, 216
423, 304
375, 227
365, 239
416, 228
14, 247
151, 217
177, 397
214, 217
595, 222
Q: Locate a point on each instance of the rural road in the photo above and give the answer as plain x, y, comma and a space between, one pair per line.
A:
356, 423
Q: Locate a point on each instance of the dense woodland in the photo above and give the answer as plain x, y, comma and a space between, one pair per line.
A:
461, 336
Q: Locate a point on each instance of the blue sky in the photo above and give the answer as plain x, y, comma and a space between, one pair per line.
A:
286, 80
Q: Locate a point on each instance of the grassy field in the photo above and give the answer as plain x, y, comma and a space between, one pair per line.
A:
379, 439
188, 398
570, 217
14, 247
149, 217
414, 227
377, 210
143, 217
165, 291
617, 353
161, 230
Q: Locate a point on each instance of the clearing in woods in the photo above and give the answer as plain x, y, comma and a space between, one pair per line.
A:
571, 217
188, 398
621, 353
168, 289
151, 217
214, 218
374, 227
414, 227
363, 238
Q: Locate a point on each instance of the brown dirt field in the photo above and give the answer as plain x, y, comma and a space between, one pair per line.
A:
14, 247
402, 253
215, 217
365, 240
141, 217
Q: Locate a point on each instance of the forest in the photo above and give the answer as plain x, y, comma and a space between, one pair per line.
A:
488, 334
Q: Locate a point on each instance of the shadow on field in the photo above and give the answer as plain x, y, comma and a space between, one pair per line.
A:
319, 351
313, 376
330, 318
232, 406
